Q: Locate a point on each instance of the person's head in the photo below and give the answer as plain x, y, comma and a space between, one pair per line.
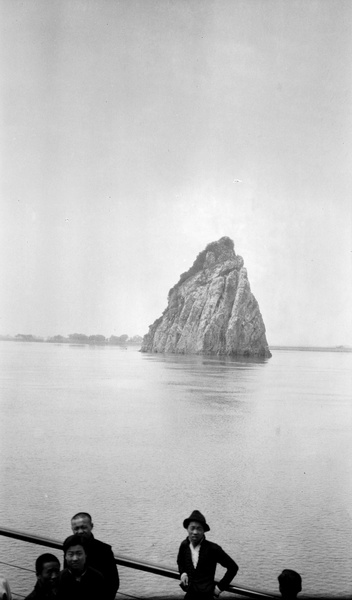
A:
196, 526
75, 551
290, 583
82, 524
47, 568
195, 532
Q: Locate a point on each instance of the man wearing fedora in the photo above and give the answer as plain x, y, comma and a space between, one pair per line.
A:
197, 560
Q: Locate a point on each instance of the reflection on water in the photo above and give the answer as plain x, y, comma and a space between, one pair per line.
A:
263, 448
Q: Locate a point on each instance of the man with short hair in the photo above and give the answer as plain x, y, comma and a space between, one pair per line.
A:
290, 584
197, 560
99, 554
47, 569
78, 581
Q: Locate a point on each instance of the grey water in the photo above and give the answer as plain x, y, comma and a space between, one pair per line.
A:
262, 448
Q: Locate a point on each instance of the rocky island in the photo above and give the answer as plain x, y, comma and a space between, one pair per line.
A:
211, 310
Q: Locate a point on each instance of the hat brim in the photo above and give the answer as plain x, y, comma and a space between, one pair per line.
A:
205, 526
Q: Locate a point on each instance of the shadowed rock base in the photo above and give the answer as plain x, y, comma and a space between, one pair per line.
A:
211, 310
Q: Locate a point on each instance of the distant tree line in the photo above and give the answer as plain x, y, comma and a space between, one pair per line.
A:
97, 339
24, 337
79, 338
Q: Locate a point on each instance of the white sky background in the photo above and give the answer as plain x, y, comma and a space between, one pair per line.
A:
124, 125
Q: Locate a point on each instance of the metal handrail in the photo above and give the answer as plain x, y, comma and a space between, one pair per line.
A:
125, 561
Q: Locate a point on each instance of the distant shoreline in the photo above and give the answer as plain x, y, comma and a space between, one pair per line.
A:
314, 348
129, 342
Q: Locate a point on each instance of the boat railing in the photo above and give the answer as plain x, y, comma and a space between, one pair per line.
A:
128, 562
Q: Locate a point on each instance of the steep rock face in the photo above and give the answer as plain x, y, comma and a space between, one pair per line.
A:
211, 310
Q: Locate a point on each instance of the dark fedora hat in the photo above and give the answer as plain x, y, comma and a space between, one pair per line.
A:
196, 516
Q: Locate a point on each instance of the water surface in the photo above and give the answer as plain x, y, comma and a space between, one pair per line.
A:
263, 449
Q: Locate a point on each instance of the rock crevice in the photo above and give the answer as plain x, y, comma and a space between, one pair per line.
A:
211, 310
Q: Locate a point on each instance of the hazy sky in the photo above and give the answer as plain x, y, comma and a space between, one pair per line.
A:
125, 125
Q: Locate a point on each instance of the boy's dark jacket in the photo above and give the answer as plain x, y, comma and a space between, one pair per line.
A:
201, 579
41, 592
101, 558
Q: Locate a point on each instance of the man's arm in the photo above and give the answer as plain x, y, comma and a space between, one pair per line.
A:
112, 574
181, 563
226, 561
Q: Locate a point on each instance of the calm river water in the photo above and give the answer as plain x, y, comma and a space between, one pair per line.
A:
263, 449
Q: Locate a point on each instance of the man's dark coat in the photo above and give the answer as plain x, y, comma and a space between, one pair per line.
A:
201, 579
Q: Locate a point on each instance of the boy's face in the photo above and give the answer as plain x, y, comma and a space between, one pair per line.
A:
76, 558
50, 574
